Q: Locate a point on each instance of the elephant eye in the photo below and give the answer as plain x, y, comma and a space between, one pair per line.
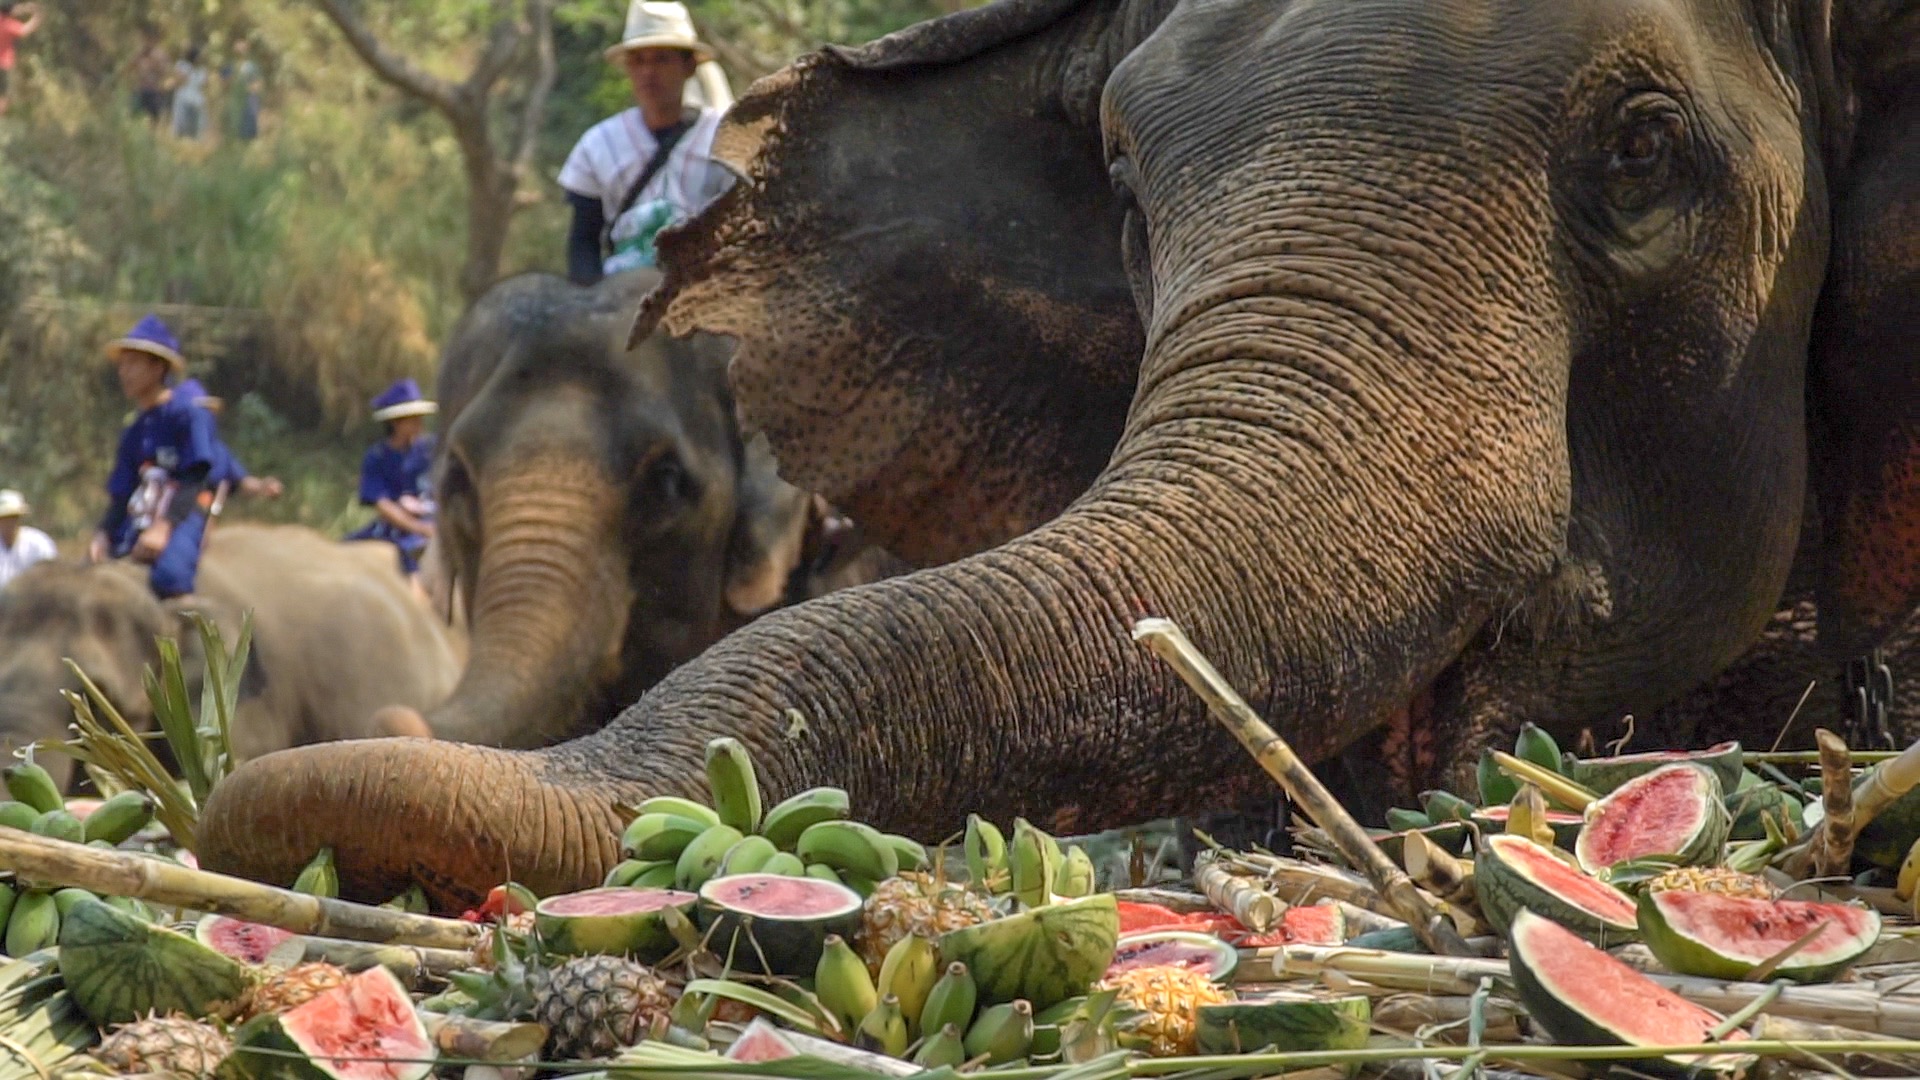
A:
1641, 154
667, 480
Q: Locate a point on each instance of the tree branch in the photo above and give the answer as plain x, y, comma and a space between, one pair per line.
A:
533, 112
389, 65
503, 44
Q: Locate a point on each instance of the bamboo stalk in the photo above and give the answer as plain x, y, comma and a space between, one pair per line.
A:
485, 1040
1787, 1029
1829, 849
1299, 883
1169, 643
1257, 909
1568, 794
1408, 1014
411, 964
1178, 901
1440, 873
161, 881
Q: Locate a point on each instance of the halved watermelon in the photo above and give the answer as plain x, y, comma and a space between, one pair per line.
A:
1285, 1021
1583, 997
1676, 810
249, 943
1175, 948
1045, 955
1603, 775
363, 1029
1727, 937
616, 921
775, 923
1514, 874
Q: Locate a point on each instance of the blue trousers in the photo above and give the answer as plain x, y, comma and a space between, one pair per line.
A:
175, 569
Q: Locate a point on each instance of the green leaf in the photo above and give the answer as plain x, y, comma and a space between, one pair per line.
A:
764, 1000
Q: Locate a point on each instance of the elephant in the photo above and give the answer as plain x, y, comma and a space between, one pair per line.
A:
336, 634
1448, 363
600, 519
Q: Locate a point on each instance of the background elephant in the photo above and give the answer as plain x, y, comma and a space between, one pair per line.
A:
601, 520
337, 634
1441, 358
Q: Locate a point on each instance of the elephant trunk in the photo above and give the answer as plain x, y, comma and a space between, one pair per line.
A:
549, 611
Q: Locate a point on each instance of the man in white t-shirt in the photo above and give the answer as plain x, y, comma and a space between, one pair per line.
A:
21, 545
615, 214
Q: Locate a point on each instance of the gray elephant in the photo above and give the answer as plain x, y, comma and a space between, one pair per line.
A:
1463, 360
337, 634
601, 520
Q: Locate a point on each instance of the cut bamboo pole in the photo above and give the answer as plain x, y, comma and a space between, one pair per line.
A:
1831, 846
1257, 909
162, 881
1170, 643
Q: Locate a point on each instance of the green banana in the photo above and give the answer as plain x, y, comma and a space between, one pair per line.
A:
64, 899
17, 815
701, 859
908, 973
120, 817
736, 790
625, 871
796, 814
1075, 878
1003, 1033
658, 875
660, 836
951, 1001
862, 885
986, 849
941, 1049
34, 924
1496, 787
691, 809
7, 896
413, 901
1441, 805
1033, 865
319, 877
60, 825
33, 785
850, 847
910, 853
884, 1029
786, 864
136, 908
1400, 819
843, 984
823, 872
1535, 744
749, 856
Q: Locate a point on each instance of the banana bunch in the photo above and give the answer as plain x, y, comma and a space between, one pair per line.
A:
681, 843
32, 914
917, 1009
35, 804
1534, 745
1032, 868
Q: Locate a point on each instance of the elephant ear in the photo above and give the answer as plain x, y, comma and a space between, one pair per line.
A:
1864, 380
922, 269
769, 533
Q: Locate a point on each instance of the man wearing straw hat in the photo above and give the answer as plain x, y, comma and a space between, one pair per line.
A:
158, 493
636, 173
396, 475
21, 545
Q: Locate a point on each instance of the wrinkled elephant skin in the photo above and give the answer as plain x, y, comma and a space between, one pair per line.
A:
1452, 352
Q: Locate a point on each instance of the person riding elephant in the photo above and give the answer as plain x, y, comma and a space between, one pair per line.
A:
334, 638
396, 475
1461, 359
599, 518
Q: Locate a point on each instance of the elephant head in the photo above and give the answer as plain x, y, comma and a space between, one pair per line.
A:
601, 520
1443, 356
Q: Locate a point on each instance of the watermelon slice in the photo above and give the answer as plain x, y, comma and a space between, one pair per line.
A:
1727, 937
614, 921
775, 923
363, 1029
249, 943
1514, 874
761, 1041
1677, 811
1583, 997
1604, 775
1175, 948
1285, 1021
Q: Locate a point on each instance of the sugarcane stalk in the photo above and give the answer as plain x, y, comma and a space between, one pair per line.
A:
1410, 1014
485, 1040
1300, 883
411, 964
1573, 796
1437, 871
1169, 642
1178, 901
1787, 1029
1829, 849
162, 881
1257, 909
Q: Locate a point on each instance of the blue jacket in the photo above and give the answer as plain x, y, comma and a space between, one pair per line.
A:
173, 436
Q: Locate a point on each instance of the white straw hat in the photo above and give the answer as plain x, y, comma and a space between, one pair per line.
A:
13, 504
659, 24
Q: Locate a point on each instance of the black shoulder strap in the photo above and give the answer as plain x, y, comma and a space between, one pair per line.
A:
654, 164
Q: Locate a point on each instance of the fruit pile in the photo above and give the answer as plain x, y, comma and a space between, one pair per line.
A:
32, 912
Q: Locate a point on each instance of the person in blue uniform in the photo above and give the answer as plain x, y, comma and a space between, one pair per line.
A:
158, 493
227, 469
396, 474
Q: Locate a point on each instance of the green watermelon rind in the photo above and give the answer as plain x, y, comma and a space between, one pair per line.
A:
1286, 1022
1754, 798
640, 934
1045, 955
1604, 775
1686, 955
789, 945
1504, 890
119, 968
1707, 845
1569, 1027
263, 1049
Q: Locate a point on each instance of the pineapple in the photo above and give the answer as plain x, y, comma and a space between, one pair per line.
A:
520, 924
294, 987
914, 903
1713, 879
1166, 1002
594, 1005
166, 1044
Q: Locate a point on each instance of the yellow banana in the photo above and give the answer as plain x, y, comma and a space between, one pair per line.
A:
119, 817
1905, 887
785, 822
736, 790
1527, 816
33, 785
908, 973
843, 984
884, 1029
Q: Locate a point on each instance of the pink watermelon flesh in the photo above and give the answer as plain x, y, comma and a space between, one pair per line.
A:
1554, 817
1756, 930
1609, 993
1581, 890
1317, 925
614, 901
248, 942
775, 897
1655, 814
369, 1016
760, 1042
1159, 948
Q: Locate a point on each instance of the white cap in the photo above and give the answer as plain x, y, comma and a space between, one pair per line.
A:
660, 24
13, 504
